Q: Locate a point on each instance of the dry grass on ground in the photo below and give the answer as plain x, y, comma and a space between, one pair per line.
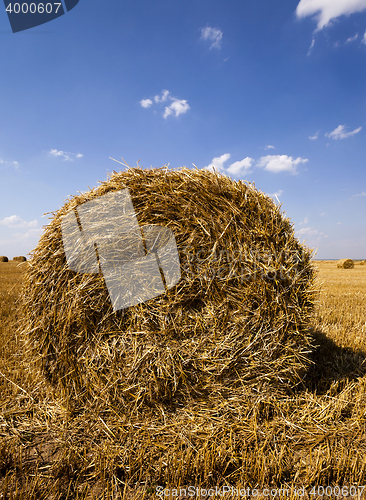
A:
315, 436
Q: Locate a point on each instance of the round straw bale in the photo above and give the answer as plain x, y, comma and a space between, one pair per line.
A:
3, 258
20, 259
362, 262
346, 264
239, 316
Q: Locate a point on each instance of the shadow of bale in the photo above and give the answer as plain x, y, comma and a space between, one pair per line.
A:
332, 363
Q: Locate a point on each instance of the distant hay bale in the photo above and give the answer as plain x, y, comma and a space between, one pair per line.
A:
238, 317
3, 258
20, 259
346, 264
362, 262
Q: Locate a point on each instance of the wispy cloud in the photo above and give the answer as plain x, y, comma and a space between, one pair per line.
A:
213, 35
22, 241
364, 38
305, 221
17, 222
146, 103
65, 155
237, 168
340, 132
308, 231
163, 97
327, 10
359, 194
18, 235
352, 38
13, 164
56, 153
269, 147
348, 41
311, 47
314, 137
276, 195
280, 163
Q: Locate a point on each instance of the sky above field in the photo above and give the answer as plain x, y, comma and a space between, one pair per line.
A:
269, 92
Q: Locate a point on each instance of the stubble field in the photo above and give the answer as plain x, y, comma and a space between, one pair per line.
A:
314, 437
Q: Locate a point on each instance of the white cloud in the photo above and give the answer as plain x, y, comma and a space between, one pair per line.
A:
31, 233
360, 194
269, 147
179, 107
163, 98
305, 221
17, 222
271, 163
352, 38
146, 103
314, 137
364, 38
236, 168
176, 108
340, 133
65, 155
54, 152
241, 167
308, 231
280, 163
327, 10
18, 236
218, 163
213, 35
19, 243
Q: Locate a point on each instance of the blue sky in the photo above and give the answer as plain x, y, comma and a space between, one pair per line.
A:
269, 92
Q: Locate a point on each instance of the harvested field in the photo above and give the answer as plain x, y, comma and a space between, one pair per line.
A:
309, 435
